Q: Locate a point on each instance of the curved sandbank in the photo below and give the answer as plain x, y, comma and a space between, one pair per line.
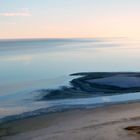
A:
93, 84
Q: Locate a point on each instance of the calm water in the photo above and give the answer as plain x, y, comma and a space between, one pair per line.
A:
29, 65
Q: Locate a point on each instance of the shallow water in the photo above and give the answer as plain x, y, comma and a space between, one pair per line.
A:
29, 65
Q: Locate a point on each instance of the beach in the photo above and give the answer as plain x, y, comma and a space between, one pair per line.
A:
103, 123
69, 70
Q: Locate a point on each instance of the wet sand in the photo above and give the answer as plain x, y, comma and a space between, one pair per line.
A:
106, 123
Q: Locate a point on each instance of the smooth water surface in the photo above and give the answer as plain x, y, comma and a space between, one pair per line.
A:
29, 65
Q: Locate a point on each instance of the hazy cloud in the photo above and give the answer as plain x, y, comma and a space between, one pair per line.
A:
23, 13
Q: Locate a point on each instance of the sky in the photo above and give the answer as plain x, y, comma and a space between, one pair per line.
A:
69, 18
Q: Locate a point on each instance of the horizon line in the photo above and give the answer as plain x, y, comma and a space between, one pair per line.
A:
44, 38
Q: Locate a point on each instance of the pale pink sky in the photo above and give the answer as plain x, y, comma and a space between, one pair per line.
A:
65, 18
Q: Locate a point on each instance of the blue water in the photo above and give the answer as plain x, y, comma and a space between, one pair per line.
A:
30, 65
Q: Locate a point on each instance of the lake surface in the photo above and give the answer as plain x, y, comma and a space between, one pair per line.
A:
27, 66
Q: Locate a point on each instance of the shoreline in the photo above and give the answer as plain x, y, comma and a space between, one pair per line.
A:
87, 89
80, 104
78, 117
78, 124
